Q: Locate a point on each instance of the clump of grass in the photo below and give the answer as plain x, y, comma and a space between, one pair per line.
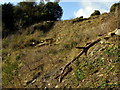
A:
73, 44
112, 51
108, 85
19, 56
83, 69
53, 51
9, 66
4, 54
67, 46
99, 61
8, 71
116, 60
14, 42
79, 74
5, 43
70, 46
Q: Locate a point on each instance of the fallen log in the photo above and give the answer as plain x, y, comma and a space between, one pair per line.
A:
85, 50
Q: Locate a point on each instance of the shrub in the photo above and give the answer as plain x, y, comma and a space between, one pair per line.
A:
78, 19
96, 12
112, 9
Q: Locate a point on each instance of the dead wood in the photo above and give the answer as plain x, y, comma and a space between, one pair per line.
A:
68, 70
42, 44
85, 50
33, 78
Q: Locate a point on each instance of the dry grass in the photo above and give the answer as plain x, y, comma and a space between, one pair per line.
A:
49, 58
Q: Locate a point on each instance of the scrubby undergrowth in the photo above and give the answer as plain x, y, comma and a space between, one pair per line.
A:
32, 57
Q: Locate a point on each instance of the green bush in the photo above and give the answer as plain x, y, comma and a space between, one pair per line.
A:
96, 12
78, 19
112, 9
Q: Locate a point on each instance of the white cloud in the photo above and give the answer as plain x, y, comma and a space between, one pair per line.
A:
86, 8
84, 12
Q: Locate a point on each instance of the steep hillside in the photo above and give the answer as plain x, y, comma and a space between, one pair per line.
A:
32, 57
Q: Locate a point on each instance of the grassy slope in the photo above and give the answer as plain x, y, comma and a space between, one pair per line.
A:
21, 61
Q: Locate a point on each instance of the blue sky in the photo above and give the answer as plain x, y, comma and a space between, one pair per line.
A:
69, 8
79, 8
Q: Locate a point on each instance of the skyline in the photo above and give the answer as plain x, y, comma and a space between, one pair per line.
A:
76, 9
84, 9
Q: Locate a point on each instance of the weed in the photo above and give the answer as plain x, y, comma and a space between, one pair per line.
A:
112, 51
108, 85
60, 50
67, 46
19, 56
70, 46
5, 43
73, 44
9, 70
53, 51
41, 67
116, 60
99, 61
4, 53
74, 81
9, 67
79, 74
77, 62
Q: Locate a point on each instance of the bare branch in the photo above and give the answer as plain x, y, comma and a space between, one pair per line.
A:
85, 50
